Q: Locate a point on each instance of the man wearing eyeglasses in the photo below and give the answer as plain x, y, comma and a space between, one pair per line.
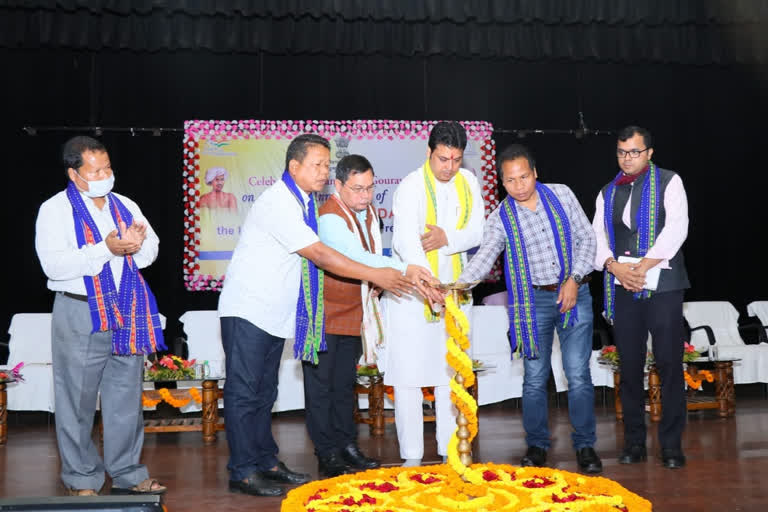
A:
641, 222
438, 216
349, 224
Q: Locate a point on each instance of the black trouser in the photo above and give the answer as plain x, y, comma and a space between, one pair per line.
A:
329, 394
662, 315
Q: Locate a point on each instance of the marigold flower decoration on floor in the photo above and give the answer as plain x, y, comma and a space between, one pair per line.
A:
439, 489
484, 487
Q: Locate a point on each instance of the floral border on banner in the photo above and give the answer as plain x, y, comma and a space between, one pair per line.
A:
220, 131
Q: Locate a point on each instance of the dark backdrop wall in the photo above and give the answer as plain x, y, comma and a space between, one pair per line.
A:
704, 103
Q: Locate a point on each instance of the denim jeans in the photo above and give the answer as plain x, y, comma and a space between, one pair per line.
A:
253, 360
576, 347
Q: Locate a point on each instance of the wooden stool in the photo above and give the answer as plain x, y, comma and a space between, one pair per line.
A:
208, 424
724, 400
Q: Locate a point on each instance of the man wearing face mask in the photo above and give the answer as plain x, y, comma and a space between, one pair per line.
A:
91, 243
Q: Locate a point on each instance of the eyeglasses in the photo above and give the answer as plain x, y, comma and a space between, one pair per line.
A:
362, 190
633, 153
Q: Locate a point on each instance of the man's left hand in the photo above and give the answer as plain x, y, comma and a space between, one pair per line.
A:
567, 296
136, 234
433, 239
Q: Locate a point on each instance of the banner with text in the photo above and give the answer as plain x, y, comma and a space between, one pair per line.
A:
228, 164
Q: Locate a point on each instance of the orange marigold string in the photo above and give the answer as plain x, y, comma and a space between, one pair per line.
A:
165, 394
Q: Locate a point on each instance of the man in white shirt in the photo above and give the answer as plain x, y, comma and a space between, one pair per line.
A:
91, 243
438, 216
643, 214
273, 286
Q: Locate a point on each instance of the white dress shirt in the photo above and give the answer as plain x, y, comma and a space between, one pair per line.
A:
669, 240
64, 262
264, 277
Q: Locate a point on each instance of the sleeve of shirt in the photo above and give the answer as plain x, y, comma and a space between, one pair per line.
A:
406, 237
492, 245
462, 240
151, 246
584, 244
334, 233
601, 237
282, 217
57, 249
675, 229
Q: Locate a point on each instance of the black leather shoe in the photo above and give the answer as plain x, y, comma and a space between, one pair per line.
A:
333, 465
357, 459
588, 460
535, 456
672, 459
284, 475
255, 486
633, 454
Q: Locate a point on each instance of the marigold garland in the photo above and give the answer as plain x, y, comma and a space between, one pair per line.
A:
695, 382
166, 395
457, 326
438, 488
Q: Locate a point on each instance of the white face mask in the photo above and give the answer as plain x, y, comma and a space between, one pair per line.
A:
99, 188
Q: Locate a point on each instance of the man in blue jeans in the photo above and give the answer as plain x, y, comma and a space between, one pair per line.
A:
549, 248
278, 259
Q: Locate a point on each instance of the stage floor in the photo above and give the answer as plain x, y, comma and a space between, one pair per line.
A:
727, 458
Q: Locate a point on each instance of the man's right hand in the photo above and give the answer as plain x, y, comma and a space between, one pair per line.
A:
392, 280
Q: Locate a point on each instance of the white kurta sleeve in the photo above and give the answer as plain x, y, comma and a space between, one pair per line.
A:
462, 240
408, 225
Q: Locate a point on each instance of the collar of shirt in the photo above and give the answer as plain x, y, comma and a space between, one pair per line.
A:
362, 216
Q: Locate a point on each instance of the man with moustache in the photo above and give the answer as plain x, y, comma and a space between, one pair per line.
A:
643, 213
438, 216
91, 243
549, 249
273, 291
349, 224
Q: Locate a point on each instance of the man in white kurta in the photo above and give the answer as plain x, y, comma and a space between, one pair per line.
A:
415, 353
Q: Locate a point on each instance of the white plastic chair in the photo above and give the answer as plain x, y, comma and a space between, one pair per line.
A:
723, 320
203, 330
759, 308
30, 343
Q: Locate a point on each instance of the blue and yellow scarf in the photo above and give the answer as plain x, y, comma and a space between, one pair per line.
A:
310, 316
647, 219
522, 307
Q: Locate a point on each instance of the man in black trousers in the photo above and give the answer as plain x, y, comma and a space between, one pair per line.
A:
641, 222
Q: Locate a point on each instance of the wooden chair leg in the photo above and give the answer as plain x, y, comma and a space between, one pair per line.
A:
3, 414
617, 396
210, 410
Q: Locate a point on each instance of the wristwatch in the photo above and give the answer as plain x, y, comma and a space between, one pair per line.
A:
578, 278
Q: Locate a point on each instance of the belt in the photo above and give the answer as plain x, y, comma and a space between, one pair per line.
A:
83, 298
553, 287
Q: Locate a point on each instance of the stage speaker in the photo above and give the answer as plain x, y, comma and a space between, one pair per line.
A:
89, 503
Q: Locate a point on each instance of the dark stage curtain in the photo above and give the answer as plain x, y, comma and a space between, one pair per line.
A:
685, 32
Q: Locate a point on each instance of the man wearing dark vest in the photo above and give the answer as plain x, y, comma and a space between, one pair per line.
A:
349, 224
641, 222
